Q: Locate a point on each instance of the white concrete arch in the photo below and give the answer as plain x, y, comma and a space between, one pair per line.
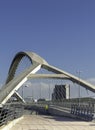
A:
14, 83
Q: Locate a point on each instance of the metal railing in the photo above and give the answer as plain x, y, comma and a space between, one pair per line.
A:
84, 110
10, 112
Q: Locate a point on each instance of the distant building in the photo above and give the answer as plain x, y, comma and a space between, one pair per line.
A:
29, 99
61, 92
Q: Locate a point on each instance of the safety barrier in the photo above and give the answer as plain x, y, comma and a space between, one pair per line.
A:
10, 112
84, 112
80, 110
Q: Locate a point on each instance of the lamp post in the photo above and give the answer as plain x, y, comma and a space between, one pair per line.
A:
79, 72
49, 91
40, 92
23, 90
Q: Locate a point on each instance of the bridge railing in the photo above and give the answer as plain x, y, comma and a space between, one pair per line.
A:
10, 112
66, 103
85, 109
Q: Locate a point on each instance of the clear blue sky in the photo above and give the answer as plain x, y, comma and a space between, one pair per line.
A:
61, 31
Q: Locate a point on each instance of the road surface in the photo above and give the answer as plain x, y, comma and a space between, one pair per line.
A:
40, 122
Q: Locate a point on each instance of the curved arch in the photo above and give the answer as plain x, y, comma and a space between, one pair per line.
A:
18, 57
14, 83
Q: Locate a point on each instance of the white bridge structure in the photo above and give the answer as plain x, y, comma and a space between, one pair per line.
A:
14, 83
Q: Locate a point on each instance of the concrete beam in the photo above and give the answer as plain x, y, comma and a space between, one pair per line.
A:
49, 76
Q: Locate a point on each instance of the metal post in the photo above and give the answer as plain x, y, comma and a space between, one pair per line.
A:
40, 92
79, 87
22, 91
49, 91
32, 93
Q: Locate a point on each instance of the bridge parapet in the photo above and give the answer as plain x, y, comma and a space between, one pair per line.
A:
84, 110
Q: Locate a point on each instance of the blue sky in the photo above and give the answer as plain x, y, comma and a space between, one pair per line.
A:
61, 31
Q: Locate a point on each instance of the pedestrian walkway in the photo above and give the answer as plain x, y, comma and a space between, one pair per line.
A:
39, 122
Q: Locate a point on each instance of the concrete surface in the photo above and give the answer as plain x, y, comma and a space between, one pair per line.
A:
10, 124
39, 122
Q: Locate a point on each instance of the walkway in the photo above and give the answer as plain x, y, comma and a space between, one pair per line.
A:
38, 122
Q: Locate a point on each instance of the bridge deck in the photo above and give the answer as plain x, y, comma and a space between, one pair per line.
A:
39, 122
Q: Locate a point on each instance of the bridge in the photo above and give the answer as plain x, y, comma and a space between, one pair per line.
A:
58, 104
